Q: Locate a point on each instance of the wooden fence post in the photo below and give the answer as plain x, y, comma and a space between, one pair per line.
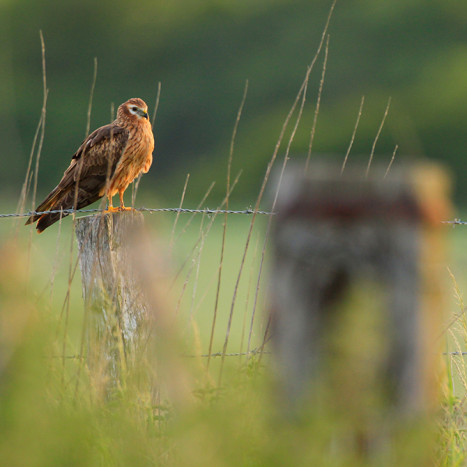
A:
114, 302
356, 289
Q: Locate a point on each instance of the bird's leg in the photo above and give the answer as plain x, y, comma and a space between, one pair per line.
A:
110, 207
122, 204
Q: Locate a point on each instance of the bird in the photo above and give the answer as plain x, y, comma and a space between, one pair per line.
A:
107, 161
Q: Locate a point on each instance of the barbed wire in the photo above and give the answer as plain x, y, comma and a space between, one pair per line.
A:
455, 222
143, 209
256, 351
208, 211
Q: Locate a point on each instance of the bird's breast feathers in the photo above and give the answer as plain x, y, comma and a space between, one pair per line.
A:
136, 158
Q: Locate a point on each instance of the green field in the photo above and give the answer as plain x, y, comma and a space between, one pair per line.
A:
169, 402
53, 414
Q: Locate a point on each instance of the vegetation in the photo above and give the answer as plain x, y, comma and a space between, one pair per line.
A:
53, 414
52, 409
203, 52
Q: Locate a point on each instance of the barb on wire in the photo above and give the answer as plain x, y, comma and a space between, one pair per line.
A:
455, 222
179, 210
256, 351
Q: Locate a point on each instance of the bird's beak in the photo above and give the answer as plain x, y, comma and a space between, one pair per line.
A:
145, 115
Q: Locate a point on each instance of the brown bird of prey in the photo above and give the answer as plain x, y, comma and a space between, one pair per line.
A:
109, 159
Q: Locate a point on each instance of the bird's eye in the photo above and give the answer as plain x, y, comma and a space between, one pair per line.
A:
134, 109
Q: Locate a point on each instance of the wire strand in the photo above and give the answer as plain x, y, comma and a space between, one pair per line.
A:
208, 211
143, 209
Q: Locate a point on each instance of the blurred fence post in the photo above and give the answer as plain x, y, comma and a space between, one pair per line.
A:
349, 245
115, 308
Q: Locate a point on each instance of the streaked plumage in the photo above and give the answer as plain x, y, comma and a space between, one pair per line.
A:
109, 159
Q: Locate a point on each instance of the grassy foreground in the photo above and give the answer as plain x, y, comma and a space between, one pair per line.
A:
52, 412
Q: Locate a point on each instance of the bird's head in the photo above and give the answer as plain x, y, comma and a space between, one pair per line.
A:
133, 109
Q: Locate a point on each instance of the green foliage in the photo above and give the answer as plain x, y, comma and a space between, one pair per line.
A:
45, 422
53, 413
202, 53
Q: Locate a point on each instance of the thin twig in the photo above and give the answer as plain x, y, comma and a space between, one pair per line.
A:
266, 338
213, 218
93, 85
206, 291
224, 231
71, 274
195, 261
265, 181
248, 300
352, 139
56, 260
198, 208
178, 213
392, 160
458, 316
377, 137
39, 149
318, 102
156, 106
260, 197
27, 178
135, 185
44, 108
198, 265
276, 195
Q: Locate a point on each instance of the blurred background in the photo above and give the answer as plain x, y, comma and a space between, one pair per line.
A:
413, 52
203, 52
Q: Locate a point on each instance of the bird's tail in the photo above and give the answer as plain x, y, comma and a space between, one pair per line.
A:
54, 201
57, 200
46, 220
46, 205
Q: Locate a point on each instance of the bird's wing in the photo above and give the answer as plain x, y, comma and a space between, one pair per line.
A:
94, 162
85, 179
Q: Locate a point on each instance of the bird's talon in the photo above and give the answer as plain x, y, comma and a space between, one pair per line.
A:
111, 209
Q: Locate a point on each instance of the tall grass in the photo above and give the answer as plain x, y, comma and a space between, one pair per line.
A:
198, 396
